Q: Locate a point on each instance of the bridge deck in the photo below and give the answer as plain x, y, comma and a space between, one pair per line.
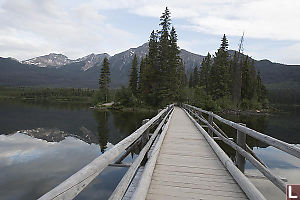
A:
187, 167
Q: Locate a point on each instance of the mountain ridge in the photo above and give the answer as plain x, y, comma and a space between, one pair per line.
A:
84, 72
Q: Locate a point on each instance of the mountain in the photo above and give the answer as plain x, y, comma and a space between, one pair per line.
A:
91, 60
59, 60
190, 60
51, 60
57, 70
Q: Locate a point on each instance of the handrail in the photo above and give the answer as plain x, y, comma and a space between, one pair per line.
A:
250, 190
71, 187
124, 183
284, 146
144, 183
264, 170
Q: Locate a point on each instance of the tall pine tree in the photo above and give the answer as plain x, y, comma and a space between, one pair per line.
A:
196, 77
176, 70
205, 72
220, 75
104, 79
133, 82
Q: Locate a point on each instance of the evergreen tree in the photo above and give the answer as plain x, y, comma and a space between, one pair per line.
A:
224, 44
104, 79
196, 77
163, 55
141, 80
220, 75
152, 72
261, 89
246, 79
205, 72
253, 81
176, 73
133, 82
236, 78
191, 82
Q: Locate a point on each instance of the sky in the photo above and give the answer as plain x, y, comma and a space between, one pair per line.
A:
76, 28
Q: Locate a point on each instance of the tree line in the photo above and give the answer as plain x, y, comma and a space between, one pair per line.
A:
222, 81
229, 79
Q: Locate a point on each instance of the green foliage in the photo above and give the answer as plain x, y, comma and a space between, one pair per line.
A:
204, 78
230, 83
162, 75
133, 81
125, 97
104, 79
220, 74
101, 96
71, 95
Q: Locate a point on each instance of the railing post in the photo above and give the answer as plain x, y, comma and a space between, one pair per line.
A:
210, 121
241, 141
145, 138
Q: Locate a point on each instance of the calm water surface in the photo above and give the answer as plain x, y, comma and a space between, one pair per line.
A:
41, 146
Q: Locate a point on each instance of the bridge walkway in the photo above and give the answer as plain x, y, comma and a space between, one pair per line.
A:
188, 168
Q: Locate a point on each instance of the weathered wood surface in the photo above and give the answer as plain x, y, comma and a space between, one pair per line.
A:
286, 147
71, 187
251, 191
144, 183
276, 180
124, 183
133, 185
188, 168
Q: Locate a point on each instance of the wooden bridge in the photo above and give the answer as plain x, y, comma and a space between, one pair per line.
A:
181, 160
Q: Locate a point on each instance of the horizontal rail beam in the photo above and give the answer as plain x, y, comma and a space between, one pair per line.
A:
265, 171
286, 147
120, 190
250, 190
143, 186
71, 187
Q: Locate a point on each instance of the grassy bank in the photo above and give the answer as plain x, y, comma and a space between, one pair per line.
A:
47, 95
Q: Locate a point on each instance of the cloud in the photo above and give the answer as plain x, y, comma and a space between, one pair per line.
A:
272, 19
77, 28
29, 27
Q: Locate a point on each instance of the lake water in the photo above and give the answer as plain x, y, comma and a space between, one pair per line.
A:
41, 146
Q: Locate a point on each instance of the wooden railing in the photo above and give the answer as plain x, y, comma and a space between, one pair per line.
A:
71, 187
243, 151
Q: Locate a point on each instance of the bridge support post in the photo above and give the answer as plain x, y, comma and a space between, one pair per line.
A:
210, 121
241, 141
145, 138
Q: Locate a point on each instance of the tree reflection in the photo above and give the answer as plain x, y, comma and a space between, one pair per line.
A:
103, 129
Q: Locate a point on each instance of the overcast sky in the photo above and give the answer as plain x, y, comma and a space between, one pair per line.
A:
31, 28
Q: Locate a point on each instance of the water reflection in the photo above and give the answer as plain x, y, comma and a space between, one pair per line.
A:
30, 166
42, 146
283, 126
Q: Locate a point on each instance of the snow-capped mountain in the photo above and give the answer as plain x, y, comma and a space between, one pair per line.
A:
50, 60
91, 60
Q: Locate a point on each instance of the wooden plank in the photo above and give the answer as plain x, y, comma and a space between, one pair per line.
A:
276, 180
141, 191
187, 192
169, 196
71, 187
222, 187
188, 168
251, 191
205, 178
125, 181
